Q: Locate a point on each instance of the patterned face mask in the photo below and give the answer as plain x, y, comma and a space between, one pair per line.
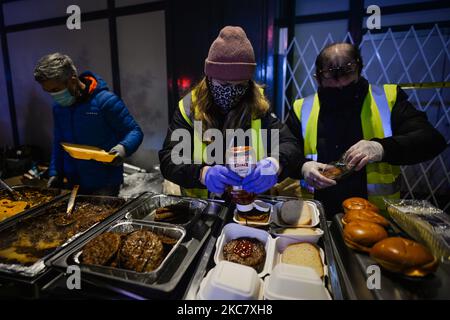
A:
228, 95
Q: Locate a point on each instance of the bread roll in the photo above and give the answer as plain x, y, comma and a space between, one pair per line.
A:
362, 235
364, 215
405, 256
356, 203
296, 213
303, 254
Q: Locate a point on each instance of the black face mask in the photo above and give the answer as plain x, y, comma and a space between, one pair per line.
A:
227, 96
343, 95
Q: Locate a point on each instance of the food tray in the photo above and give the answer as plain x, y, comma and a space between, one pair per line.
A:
233, 231
148, 206
55, 193
163, 229
84, 152
39, 265
354, 272
332, 281
172, 278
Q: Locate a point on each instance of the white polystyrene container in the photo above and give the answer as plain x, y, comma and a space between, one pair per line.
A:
233, 231
231, 281
315, 219
289, 282
314, 238
260, 205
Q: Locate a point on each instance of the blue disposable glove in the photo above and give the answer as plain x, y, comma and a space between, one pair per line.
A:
219, 177
263, 177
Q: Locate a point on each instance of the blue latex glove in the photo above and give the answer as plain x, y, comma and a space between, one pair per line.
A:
262, 178
219, 177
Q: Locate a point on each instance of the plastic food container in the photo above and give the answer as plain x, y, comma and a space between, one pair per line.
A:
306, 205
337, 170
261, 206
424, 223
234, 231
313, 238
83, 152
289, 282
231, 281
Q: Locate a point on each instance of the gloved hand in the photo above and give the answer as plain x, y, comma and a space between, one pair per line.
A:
263, 177
54, 182
218, 177
118, 150
311, 172
362, 153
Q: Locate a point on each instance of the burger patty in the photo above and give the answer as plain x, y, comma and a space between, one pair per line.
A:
102, 249
142, 251
246, 251
178, 213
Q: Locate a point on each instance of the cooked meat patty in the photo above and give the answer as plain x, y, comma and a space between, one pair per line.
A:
142, 251
246, 251
102, 249
178, 213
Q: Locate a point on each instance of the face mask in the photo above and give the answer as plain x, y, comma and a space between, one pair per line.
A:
345, 94
227, 96
63, 98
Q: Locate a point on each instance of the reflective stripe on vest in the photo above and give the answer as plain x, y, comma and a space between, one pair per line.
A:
199, 156
383, 180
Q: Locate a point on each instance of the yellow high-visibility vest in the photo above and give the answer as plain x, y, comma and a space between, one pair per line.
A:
188, 103
383, 179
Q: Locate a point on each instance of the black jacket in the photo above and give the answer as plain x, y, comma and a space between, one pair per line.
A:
187, 175
413, 140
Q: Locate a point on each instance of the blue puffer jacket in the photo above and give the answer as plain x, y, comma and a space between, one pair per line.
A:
103, 121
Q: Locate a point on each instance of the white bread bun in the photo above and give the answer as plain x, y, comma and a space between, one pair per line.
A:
296, 212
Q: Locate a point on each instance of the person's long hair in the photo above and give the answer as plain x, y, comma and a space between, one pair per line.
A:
252, 105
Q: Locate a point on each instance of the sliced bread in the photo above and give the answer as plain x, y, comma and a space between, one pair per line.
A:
303, 254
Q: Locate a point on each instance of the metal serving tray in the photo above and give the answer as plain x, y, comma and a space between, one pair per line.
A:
148, 206
39, 266
57, 194
173, 276
354, 273
332, 280
128, 226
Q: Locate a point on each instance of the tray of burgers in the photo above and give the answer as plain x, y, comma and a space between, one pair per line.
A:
27, 198
148, 250
252, 264
408, 269
26, 244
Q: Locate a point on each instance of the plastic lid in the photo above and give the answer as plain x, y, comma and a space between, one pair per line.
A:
244, 207
294, 282
261, 206
231, 281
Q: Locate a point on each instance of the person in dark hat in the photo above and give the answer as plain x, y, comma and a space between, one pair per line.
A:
372, 128
226, 98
